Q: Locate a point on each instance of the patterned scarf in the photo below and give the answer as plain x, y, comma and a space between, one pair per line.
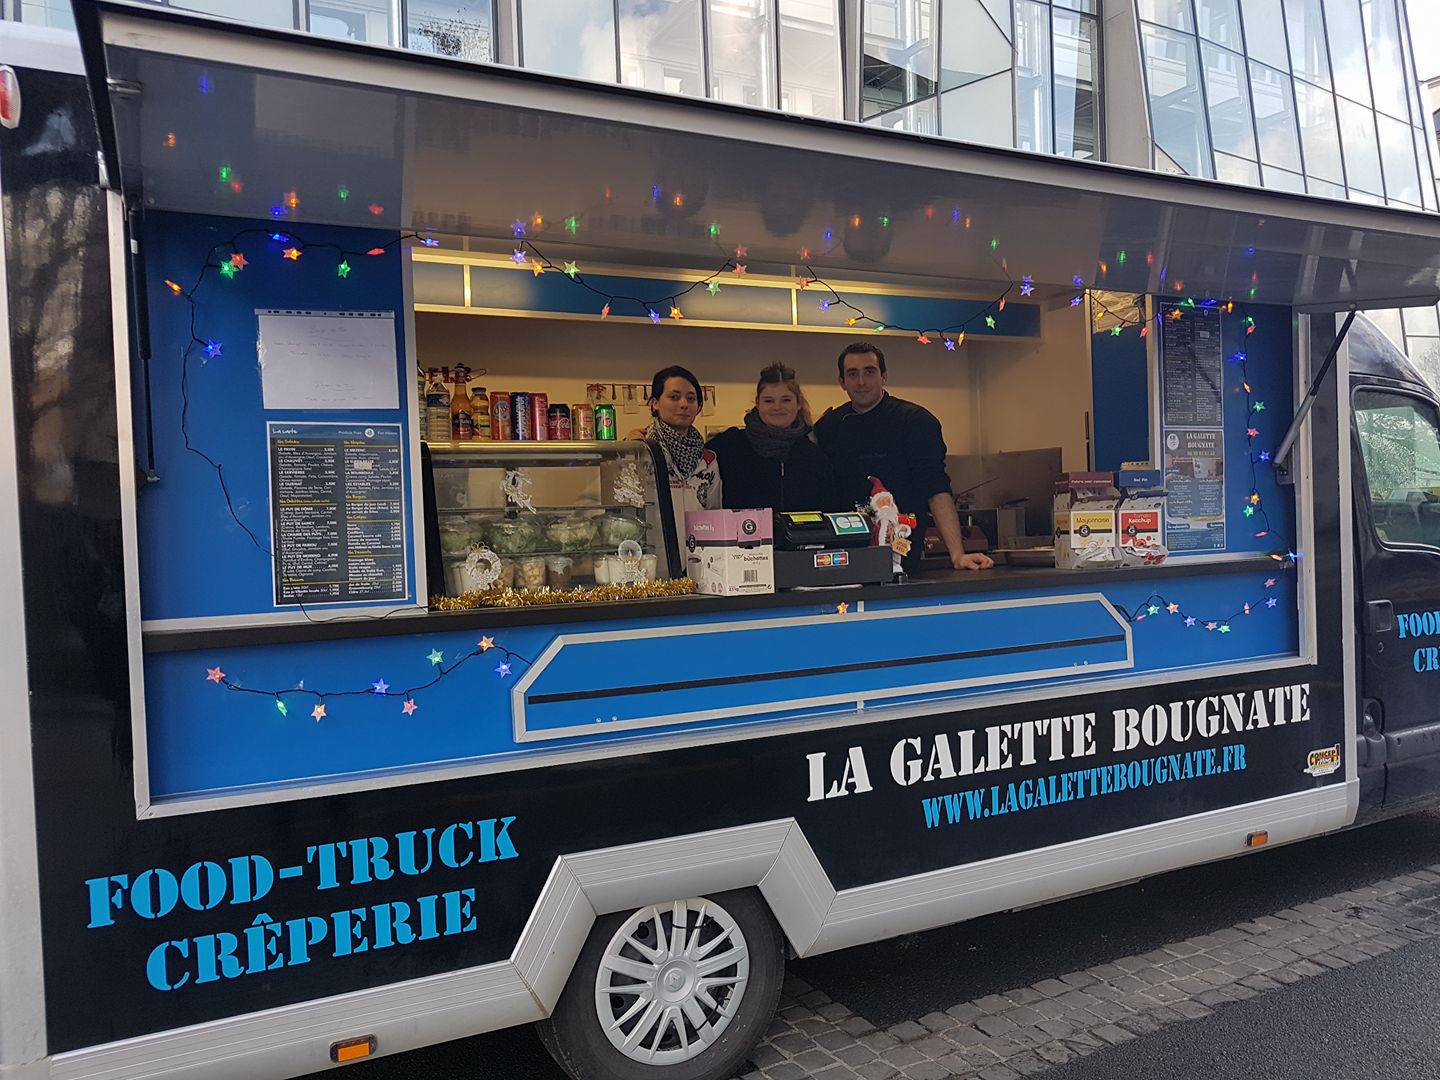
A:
682, 447
773, 443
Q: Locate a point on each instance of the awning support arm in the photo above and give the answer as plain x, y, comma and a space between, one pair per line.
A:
1283, 472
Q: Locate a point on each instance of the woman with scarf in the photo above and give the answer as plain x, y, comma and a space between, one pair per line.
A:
771, 462
675, 398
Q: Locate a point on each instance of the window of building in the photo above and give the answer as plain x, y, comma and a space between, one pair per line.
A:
810, 58
742, 58
1177, 108
660, 45
569, 37
898, 66
353, 20
462, 30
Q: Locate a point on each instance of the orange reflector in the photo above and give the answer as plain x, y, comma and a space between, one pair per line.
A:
1257, 839
352, 1049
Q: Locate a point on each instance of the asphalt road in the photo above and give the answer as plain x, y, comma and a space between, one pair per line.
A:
1383, 1011
1379, 1019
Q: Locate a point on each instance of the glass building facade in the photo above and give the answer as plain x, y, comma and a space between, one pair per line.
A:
1302, 95
1315, 96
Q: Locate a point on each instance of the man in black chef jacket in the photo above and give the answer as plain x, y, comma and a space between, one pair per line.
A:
900, 443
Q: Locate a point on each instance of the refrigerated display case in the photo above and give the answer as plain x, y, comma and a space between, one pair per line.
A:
554, 515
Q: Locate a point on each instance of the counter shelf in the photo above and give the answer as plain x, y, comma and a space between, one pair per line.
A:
957, 584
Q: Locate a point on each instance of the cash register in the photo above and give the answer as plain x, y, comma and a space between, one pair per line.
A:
814, 550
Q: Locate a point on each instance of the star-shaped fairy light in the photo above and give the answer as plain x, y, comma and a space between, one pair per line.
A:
318, 712
1270, 603
571, 270
739, 269
281, 707
842, 608
536, 268
1269, 583
675, 312
227, 270
990, 321
713, 288
343, 270
1027, 285
436, 657
740, 252
409, 707
379, 686
923, 339
502, 669
1115, 331
214, 674
1173, 609
292, 253
430, 241
376, 251
654, 316
212, 349
605, 312
518, 257
1224, 628
486, 644
949, 344
1189, 620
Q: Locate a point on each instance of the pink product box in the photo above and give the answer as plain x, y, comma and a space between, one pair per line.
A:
730, 526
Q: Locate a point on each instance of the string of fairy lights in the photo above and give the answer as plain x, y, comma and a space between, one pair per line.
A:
226, 260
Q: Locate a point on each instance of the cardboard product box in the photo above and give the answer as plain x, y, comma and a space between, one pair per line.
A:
1142, 516
1086, 520
731, 552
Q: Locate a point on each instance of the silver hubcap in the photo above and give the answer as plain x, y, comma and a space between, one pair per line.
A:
671, 980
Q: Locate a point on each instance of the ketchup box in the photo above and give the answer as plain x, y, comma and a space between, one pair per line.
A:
731, 552
1142, 516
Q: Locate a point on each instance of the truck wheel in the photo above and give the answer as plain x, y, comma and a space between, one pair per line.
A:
676, 991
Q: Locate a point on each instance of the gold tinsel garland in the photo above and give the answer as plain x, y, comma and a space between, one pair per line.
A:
644, 590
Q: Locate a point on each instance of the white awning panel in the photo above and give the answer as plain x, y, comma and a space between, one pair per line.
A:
423, 142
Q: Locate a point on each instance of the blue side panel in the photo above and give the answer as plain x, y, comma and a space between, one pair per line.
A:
205, 736
1120, 392
196, 557
606, 681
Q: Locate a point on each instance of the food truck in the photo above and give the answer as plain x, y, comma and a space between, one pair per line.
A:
330, 738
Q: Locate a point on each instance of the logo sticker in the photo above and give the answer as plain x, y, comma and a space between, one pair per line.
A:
1323, 762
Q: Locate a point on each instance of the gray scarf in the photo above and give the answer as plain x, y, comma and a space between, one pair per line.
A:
682, 446
773, 443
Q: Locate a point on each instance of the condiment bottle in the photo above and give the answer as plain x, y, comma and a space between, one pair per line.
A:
462, 425
480, 413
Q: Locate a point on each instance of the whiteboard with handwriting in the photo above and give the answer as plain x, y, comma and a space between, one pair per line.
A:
328, 359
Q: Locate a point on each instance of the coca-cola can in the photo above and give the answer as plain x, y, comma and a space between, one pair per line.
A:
560, 427
540, 416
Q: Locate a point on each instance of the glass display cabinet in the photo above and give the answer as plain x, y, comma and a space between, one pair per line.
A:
551, 515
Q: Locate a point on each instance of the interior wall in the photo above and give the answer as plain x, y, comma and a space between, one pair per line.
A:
1035, 395
559, 358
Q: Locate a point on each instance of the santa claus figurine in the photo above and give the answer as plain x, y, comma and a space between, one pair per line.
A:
892, 529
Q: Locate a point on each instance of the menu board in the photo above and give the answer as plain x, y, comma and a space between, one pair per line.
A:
1192, 381
337, 513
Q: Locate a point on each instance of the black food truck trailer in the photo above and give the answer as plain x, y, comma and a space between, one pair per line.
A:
332, 734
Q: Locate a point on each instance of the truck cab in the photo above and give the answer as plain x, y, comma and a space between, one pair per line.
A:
1395, 478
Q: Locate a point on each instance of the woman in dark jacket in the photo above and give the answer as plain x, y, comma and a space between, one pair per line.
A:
771, 461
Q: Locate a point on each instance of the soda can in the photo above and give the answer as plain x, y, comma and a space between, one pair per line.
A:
540, 416
520, 417
582, 420
605, 423
500, 430
559, 423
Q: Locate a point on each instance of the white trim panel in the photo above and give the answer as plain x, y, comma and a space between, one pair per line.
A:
22, 981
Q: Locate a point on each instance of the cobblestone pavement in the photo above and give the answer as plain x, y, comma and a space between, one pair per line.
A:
1026, 1030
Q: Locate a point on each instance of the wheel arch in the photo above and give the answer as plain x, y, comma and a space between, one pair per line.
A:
772, 856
